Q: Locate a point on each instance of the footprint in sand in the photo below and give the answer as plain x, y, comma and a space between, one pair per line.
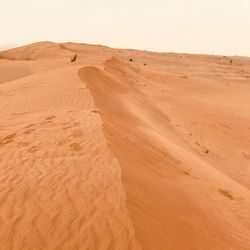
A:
28, 131
185, 172
7, 142
75, 147
32, 149
75, 124
48, 119
246, 155
8, 139
226, 194
31, 125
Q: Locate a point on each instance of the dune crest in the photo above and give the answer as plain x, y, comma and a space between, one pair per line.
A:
123, 149
170, 190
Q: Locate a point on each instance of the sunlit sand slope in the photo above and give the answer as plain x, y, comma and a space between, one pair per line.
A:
123, 149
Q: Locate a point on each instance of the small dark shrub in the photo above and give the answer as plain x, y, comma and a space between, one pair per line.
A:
73, 59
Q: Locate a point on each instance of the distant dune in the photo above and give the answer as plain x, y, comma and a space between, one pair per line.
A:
115, 149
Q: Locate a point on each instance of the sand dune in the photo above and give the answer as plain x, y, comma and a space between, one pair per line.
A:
123, 149
9, 72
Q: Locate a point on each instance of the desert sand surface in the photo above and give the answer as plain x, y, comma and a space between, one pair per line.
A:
123, 149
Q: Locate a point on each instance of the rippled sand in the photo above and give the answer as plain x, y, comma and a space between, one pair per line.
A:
123, 149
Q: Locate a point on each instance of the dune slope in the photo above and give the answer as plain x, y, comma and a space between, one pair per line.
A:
60, 185
175, 199
123, 149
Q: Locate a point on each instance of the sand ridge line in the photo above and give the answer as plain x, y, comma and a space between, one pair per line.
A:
129, 121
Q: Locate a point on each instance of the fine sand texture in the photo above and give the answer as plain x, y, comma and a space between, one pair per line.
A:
123, 149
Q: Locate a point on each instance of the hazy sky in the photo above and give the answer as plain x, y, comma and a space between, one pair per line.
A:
196, 26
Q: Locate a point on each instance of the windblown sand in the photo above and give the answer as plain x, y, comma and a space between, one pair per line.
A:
123, 149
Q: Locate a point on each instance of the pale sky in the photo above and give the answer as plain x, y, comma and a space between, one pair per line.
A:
192, 26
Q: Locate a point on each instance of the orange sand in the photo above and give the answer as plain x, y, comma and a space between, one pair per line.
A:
111, 153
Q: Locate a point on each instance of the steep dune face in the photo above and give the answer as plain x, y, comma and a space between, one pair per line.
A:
175, 199
123, 149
